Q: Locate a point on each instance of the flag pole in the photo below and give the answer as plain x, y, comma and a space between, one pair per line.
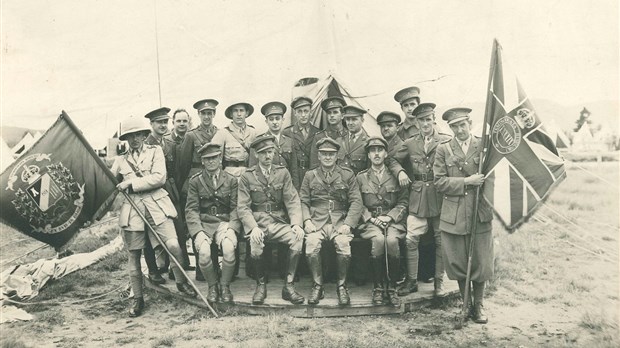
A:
474, 224
176, 262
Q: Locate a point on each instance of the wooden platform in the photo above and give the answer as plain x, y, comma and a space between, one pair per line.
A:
243, 287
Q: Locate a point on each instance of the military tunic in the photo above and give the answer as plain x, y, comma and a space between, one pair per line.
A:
148, 175
235, 144
212, 207
393, 145
189, 162
353, 154
284, 156
264, 202
451, 167
406, 131
337, 134
174, 170
302, 149
382, 196
329, 203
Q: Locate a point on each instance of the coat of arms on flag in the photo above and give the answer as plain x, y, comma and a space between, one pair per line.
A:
522, 165
56, 186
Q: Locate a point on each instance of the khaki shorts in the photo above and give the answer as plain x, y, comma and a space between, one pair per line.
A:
136, 240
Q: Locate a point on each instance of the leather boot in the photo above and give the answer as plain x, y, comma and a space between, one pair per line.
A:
461, 283
227, 296
261, 287
136, 307
288, 291
439, 290
378, 271
186, 289
409, 286
315, 264
156, 278
214, 294
479, 316
343, 262
394, 268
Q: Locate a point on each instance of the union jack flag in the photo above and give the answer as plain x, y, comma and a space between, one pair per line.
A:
522, 165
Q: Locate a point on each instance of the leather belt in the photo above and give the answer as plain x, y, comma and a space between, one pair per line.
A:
330, 205
379, 210
424, 177
214, 210
235, 164
267, 207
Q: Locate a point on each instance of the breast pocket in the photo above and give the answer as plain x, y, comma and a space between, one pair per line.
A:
257, 193
341, 192
277, 191
449, 209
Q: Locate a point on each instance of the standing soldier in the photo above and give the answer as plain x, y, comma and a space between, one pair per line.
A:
335, 129
236, 138
332, 206
302, 132
211, 212
408, 98
414, 160
388, 122
352, 153
180, 126
143, 173
456, 176
266, 195
385, 207
284, 155
159, 127
189, 160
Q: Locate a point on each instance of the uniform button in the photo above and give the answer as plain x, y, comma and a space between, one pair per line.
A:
427, 184
465, 193
465, 162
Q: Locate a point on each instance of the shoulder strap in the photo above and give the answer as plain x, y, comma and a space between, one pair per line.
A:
238, 140
136, 171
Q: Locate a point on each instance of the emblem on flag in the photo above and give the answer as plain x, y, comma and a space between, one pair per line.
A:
47, 196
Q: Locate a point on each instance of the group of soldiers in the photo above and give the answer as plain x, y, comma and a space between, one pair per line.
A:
303, 186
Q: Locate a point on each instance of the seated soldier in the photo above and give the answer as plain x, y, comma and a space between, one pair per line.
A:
211, 213
385, 206
266, 194
332, 205
143, 173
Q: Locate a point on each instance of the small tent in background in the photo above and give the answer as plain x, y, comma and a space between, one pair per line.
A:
24, 144
583, 139
560, 139
318, 90
6, 155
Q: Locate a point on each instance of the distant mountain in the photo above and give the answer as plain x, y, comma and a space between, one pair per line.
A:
12, 135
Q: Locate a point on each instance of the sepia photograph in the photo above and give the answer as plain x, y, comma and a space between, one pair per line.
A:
318, 173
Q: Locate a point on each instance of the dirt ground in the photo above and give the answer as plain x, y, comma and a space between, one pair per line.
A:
556, 285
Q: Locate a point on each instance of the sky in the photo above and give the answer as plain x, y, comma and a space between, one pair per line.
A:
98, 60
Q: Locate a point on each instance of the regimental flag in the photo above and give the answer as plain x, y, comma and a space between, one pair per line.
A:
56, 186
522, 165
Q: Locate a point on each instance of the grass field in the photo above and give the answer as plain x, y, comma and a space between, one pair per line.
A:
556, 285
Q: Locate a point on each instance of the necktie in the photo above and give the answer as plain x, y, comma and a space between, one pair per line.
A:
214, 180
304, 133
328, 175
427, 143
352, 138
465, 146
135, 154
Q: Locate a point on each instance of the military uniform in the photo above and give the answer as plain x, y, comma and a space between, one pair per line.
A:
407, 130
382, 197
212, 209
352, 154
189, 160
330, 200
284, 155
416, 155
235, 142
451, 166
144, 172
270, 202
339, 135
175, 141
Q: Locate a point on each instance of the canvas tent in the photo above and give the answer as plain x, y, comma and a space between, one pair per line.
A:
318, 90
583, 139
560, 139
24, 144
